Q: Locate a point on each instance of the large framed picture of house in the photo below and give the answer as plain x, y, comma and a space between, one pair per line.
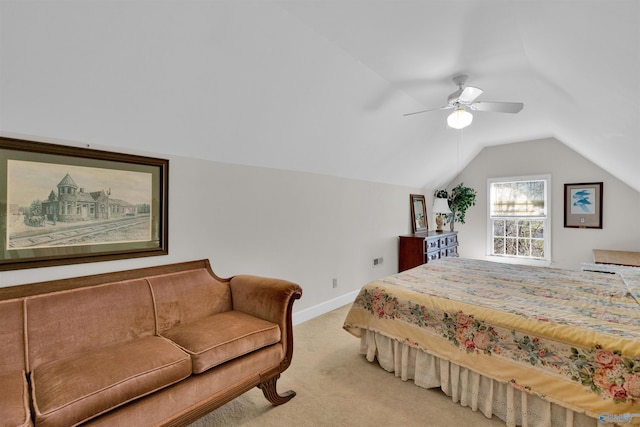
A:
69, 205
583, 205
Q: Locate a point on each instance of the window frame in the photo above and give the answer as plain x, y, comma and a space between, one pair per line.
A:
519, 259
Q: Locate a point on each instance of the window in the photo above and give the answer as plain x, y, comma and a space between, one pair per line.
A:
519, 221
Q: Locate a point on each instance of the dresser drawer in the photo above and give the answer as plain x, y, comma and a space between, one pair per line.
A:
452, 251
431, 244
452, 240
432, 256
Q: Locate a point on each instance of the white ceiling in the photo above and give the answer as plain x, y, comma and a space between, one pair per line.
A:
574, 64
322, 86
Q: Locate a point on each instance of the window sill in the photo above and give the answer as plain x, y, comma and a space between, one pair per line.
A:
518, 260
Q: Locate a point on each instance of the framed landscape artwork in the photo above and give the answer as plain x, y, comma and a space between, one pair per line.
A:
418, 213
68, 205
583, 205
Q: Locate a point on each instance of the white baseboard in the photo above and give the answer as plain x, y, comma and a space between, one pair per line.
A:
322, 308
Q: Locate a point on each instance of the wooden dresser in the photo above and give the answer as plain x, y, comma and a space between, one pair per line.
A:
419, 248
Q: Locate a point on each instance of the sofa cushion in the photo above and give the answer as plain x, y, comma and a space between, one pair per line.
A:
72, 390
63, 324
14, 392
12, 336
221, 337
187, 296
14, 400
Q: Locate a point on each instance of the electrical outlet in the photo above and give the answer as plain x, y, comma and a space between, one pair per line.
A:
377, 261
335, 282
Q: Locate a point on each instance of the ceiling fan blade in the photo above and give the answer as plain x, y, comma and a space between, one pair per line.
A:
469, 94
426, 111
497, 107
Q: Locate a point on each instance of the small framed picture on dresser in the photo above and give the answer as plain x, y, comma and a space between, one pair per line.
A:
418, 213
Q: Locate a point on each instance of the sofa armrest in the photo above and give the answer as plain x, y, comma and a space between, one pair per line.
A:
272, 300
266, 298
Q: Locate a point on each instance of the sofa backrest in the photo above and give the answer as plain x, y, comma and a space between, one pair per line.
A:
188, 296
65, 323
11, 336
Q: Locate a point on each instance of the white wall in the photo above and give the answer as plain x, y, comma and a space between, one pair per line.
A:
570, 246
302, 227
227, 82
222, 76
241, 82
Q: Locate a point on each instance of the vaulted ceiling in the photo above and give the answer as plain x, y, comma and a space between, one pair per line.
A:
322, 86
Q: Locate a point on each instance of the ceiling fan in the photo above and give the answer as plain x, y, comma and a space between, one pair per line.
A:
463, 100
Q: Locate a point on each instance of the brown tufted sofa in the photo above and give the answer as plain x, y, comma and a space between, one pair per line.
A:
155, 346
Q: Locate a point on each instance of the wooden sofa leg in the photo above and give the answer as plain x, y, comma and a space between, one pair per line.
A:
268, 388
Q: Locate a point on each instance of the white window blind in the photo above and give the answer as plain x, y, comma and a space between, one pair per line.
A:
518, 198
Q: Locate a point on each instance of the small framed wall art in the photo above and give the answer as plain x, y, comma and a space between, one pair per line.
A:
583, 205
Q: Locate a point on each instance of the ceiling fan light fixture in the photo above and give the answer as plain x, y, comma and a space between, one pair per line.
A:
459, 119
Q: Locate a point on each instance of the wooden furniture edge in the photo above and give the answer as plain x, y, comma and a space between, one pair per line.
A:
624, 258
30, 289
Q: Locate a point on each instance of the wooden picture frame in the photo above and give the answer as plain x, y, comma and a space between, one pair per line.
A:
68, 205
419, 221
583, 205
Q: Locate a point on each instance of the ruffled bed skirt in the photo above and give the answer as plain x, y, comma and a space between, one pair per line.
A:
469, 388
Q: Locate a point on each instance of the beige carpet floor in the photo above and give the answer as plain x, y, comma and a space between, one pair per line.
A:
336, 386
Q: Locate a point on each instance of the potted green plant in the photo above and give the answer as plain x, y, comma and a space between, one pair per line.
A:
461, 198
441, 194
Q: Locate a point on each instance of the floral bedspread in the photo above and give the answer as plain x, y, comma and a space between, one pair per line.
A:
571, 337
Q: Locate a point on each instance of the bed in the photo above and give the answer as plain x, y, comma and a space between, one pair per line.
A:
534, 346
